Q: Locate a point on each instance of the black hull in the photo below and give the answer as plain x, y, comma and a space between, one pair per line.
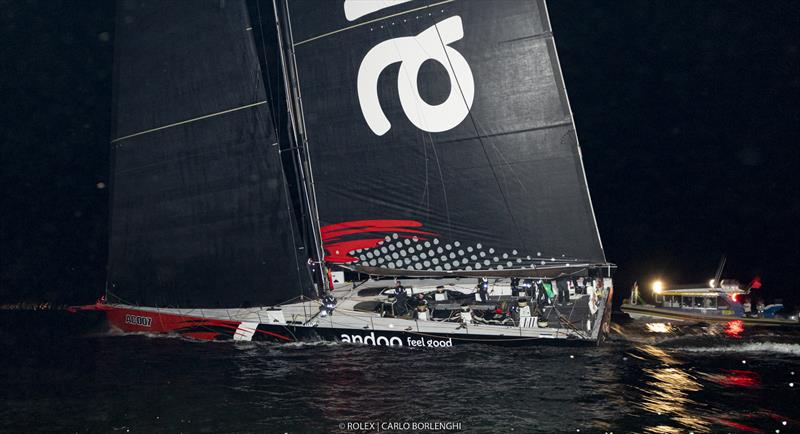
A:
407, 338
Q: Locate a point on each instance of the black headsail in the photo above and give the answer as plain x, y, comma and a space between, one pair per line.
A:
200, 216
441, 138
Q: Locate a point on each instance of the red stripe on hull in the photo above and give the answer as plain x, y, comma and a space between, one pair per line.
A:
144, 321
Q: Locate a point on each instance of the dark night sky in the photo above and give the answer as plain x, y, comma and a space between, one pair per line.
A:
687, 111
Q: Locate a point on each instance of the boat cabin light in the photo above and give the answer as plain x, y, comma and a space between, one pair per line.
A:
658, 286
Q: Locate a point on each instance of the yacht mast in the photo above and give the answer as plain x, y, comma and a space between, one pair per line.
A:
295, 110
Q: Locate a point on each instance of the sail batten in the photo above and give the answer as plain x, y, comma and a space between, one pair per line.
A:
199, 118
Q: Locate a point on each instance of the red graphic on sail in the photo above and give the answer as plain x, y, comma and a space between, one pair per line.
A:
340, 239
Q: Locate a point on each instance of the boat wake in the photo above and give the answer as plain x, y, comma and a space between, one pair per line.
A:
112, 332
752, 347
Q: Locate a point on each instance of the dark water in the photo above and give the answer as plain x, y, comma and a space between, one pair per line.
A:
57, 376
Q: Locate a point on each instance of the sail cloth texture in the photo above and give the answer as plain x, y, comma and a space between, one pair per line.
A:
199, 211
440, 136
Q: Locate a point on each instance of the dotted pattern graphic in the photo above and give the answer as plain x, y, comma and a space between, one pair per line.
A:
412, 253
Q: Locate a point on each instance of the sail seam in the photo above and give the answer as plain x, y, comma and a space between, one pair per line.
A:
175, 124
370, 22
544, 35
505, 133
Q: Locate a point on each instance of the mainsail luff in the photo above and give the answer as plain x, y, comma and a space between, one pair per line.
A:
500, 64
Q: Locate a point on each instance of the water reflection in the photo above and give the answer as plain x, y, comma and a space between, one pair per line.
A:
659, 327
734, 329
736, 425
668, 394
735, 378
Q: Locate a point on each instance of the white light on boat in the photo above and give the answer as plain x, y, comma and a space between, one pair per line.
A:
658, 286
711, 283
658, 327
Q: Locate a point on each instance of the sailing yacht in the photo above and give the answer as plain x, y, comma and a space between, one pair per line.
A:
384, 172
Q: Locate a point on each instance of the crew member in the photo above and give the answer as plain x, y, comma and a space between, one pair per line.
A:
400, 307
398, 288
328, 304
483, 289
417, 300
563, 291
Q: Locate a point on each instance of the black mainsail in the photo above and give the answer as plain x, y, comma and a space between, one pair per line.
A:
440, 137
200, 216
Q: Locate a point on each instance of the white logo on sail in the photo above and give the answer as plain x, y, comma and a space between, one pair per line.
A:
412, 52
355, 9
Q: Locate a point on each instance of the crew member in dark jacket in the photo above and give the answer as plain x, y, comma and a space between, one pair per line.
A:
400, 307
563, 291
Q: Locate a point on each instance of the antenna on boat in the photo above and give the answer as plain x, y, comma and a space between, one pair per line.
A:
718, 275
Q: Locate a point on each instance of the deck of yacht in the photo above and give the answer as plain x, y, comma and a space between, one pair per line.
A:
357, 303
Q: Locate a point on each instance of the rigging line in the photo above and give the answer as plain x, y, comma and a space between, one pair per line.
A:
480, 139
370, 22
478, 129
426, 193
508, 165
444, 187
433, 144
273, 109
305, 161
112, 176
425, 200
290, 216
199, 118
